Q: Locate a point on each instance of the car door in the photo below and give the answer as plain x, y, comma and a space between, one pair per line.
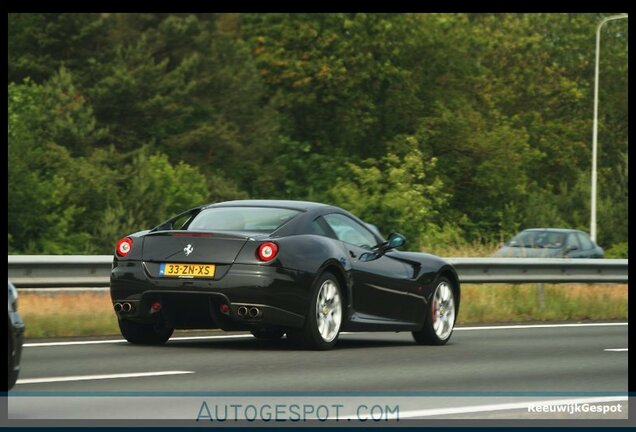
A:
381, 284
588, 249
573, 247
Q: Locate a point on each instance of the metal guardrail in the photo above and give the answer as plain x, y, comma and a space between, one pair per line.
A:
540, 270
54, 271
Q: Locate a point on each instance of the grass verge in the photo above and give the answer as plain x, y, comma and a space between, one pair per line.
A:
563, 302
62, 314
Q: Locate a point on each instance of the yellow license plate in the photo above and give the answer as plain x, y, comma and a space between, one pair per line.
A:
187, 270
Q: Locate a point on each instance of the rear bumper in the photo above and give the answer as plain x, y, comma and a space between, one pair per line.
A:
280, 296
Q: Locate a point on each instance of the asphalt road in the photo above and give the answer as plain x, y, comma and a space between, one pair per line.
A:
479, 361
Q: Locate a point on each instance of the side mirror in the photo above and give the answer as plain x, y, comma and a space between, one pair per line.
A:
395, 241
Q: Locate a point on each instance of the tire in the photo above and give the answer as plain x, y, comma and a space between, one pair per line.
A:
144, 334
268, 333
440, 316
324, 317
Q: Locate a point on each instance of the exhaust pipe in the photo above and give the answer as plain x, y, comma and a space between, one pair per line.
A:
126, 307
118, 307
242, 311
254, 312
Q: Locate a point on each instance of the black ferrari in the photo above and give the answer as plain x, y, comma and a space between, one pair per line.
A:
303, 269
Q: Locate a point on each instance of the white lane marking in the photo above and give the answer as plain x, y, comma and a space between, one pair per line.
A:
66, 290
99, 377
616, 349
505, 406
112, 341
523, 326
48, 344
531, 326
247, 335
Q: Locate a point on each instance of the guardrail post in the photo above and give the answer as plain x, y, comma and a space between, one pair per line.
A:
540, 297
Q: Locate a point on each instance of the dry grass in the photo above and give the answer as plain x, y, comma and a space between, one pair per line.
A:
470, 250
563, 302
90, 314
67, 314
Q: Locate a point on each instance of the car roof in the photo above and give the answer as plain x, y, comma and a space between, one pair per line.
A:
290, 204
559, 230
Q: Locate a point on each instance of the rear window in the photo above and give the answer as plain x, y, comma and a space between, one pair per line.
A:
261, 219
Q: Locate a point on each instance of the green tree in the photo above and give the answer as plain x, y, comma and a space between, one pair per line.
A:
394, 193
40, 43
311, 106
61, 202
335, 77
40, 208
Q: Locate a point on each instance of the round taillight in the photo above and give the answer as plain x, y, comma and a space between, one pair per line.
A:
124, 246
267, 251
